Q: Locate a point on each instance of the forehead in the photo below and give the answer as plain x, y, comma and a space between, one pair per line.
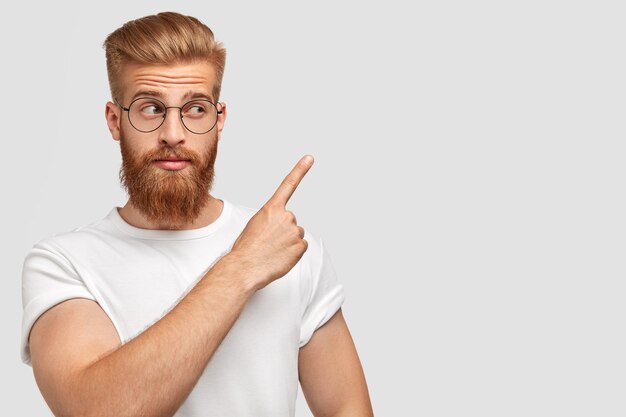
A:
171, 82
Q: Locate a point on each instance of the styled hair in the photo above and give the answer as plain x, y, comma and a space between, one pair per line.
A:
165, 38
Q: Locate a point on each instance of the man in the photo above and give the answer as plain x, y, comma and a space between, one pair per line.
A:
179, 303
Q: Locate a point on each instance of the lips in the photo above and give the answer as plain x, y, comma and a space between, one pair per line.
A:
172, 158
171, 164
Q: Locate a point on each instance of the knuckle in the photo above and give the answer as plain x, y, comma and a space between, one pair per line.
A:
290, 182
290, 216
271, 209
269, 206
264, 209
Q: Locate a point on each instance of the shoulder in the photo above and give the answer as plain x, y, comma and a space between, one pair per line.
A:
240, 212
63, 243
315, 251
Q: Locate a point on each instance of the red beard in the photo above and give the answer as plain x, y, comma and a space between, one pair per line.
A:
173, 198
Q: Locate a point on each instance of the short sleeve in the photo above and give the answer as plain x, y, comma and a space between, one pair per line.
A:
322, 294
48, 279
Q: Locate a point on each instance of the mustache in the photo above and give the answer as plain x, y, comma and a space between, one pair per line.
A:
165, 153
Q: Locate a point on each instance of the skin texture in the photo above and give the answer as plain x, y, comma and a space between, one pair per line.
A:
80, 365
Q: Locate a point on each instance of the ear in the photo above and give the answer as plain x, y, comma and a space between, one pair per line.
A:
221, 118
113, 114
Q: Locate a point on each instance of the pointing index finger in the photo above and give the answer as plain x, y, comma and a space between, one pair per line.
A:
286, 188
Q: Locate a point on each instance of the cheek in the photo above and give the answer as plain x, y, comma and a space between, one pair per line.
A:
130, 143
129, 148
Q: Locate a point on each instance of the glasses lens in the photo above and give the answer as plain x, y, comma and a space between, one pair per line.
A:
146, 114
199, 116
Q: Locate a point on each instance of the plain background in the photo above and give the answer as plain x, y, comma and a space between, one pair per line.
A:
468, 180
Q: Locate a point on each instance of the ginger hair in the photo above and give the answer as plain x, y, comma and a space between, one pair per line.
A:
164, 38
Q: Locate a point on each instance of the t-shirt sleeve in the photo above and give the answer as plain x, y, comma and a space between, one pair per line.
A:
322, 294
48, 279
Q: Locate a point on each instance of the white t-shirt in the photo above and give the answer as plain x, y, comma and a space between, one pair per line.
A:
137, 276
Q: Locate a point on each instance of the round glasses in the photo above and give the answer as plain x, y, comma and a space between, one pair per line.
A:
147, 114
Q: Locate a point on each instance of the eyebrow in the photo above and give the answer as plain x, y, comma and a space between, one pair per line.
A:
187, 96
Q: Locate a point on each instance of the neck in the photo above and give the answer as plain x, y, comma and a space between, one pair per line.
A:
209, 213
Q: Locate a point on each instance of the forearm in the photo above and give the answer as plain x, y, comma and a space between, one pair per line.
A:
355, 410
153, 374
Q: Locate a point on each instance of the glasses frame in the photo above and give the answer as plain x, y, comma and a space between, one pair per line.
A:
180, 113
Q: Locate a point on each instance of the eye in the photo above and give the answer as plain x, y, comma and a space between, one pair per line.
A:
151, 109
196, 109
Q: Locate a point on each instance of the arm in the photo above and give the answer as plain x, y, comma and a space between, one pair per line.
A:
331, 375
82, 370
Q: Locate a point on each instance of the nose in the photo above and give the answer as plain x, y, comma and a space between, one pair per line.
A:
172, 131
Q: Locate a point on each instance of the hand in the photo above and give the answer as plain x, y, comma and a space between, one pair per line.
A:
272, 242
